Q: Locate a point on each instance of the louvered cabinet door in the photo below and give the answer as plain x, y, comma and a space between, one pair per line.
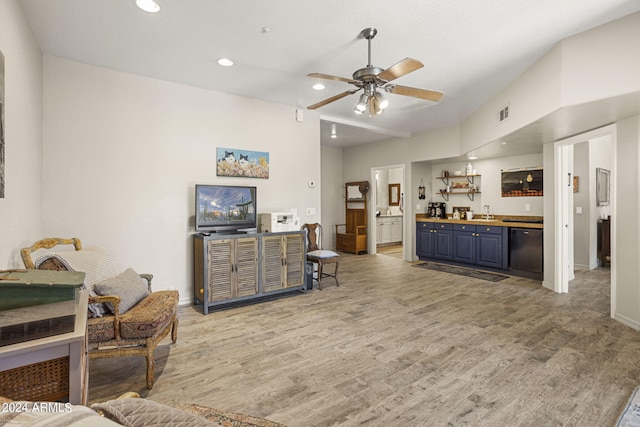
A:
246, 266
294, 264
272, 263
219, 260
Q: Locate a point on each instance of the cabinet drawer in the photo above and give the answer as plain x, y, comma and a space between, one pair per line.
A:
464, 227
489, 229
424, 225
443, 226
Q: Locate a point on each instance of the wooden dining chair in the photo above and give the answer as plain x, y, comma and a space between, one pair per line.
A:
319, 256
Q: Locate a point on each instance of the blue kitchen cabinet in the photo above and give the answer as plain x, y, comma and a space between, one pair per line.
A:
424, 239
471, 244
464, 243
443, 241
491, 245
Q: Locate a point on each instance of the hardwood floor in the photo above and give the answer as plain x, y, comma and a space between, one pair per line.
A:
396, 345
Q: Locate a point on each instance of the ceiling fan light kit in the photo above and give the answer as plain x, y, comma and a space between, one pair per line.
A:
371, 78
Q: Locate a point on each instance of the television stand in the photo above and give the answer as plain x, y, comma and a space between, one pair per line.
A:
244, 267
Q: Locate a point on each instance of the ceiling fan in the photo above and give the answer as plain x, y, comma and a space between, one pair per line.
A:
370, 79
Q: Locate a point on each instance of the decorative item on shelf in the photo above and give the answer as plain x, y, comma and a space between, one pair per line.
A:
421, 191
445, 173
460, 184
469, 169
457, 173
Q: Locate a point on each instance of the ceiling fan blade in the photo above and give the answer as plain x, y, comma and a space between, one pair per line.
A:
330, 100
400, 69
330, 77
429, 95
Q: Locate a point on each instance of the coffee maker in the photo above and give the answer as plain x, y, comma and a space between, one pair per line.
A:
437, 210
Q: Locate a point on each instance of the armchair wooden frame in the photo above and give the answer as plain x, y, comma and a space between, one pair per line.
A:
118, 346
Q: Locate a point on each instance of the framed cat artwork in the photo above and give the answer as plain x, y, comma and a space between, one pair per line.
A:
242, 163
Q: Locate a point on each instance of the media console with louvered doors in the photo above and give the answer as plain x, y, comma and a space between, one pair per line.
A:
232, 268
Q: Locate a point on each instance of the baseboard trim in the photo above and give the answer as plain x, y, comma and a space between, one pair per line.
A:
626, 321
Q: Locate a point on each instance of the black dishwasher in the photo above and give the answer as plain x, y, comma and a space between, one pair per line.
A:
525, 249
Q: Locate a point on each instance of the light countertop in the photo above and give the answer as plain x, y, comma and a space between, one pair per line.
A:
497, 220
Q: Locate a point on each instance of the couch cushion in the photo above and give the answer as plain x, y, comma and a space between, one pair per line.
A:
322, 253
150, 315
128, 285
100, 329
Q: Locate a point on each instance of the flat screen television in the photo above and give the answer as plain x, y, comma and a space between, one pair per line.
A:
225, 208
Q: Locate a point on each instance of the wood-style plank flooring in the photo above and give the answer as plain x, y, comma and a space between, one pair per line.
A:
397, 345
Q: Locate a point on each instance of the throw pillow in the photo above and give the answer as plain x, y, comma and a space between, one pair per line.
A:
128, 285
95, 262
134, 412
37, 414
322, 253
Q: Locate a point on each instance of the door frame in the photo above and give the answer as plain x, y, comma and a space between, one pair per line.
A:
373, 200
563, 241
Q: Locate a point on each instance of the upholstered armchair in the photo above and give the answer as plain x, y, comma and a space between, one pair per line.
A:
125, 317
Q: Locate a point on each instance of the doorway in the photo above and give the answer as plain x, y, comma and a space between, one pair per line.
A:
386, 227
577, 211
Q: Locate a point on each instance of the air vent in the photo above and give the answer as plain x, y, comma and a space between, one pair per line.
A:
503, 114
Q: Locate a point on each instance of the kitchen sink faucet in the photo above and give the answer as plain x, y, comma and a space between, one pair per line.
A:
487, 208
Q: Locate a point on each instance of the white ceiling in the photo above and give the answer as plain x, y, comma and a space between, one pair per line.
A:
471, 49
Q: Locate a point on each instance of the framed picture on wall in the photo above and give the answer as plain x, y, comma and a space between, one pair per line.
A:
602, 187
242, 163
522, 183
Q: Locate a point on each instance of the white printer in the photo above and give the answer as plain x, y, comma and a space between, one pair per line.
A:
276, 222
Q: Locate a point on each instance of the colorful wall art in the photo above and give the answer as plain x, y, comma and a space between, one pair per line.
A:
242, 163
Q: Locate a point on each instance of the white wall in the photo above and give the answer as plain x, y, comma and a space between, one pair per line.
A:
21, 209
490, 186
602, 62
582, 199
122, 154
626, 223
333, 208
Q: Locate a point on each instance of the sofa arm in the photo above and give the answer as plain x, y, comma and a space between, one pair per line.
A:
148, 277
114, 300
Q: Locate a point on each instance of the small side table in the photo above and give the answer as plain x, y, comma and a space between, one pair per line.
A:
51, 368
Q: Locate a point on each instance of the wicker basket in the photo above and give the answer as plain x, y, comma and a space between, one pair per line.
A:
42, 381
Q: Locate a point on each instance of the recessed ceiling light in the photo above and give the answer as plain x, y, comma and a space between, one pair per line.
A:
318, 86
225, 62
148, 5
